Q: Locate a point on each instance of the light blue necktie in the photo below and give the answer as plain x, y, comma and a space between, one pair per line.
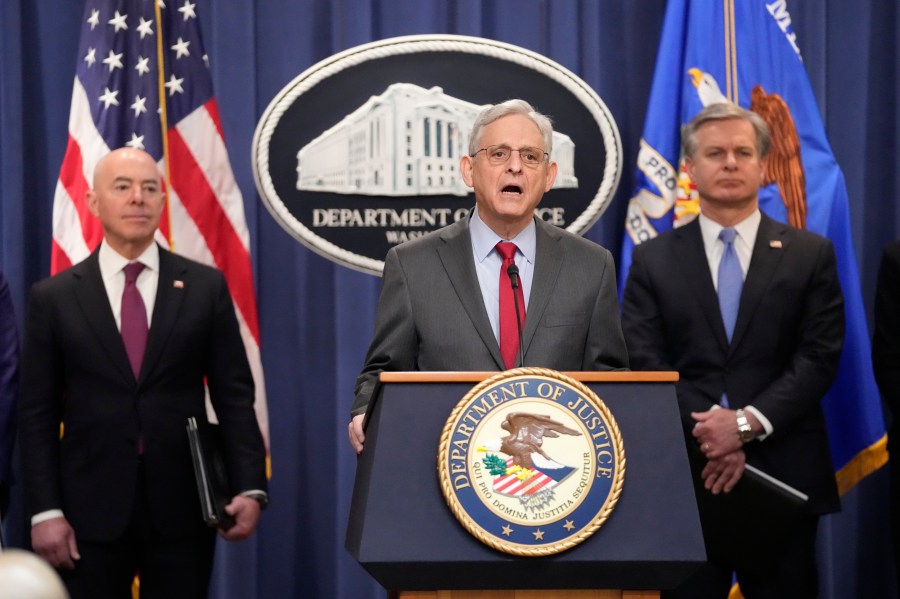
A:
731, 281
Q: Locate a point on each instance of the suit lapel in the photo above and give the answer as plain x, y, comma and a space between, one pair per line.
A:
763, 265
691, 257
94, 303
547, 266
169, 295
456, 257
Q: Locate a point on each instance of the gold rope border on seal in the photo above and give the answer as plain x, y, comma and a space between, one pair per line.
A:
513, 548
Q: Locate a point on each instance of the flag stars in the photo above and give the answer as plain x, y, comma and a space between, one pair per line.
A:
174, 85
94, 19
188, 10
142, 66
136, 141
91, 57
118, 21
109, 97
181, 48
139, 106
145, 28
113, 61
206, 60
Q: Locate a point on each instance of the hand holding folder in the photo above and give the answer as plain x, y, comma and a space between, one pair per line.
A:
209, 470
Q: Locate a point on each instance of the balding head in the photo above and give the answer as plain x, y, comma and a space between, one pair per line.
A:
24, 575
117, 156
127, 198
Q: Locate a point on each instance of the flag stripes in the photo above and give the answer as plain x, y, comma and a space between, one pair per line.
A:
140, 64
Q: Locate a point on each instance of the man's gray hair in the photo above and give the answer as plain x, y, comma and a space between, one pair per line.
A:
510, 107
723, 111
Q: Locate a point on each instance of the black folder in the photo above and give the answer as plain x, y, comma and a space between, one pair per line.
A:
209, 470
761, 489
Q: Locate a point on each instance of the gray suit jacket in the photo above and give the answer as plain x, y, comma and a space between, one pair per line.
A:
431, 314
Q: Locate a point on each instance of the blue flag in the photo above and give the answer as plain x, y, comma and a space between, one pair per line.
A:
745, 52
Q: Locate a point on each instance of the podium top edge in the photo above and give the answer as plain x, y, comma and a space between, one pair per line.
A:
615, 376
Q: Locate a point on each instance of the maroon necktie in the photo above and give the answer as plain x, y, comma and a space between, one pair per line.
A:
509, 328
134, 318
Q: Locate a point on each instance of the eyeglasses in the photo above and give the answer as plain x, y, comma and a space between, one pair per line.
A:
498, 155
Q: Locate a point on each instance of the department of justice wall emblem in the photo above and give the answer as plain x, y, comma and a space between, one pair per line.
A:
361, 151
531, 462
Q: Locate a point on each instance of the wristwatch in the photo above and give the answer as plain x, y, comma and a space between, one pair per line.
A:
745, 432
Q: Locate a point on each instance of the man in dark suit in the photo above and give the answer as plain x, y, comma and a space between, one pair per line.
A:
886, 360
440, 299
751, 375
107, 468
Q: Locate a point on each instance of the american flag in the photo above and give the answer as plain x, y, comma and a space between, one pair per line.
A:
534, 480
142, 70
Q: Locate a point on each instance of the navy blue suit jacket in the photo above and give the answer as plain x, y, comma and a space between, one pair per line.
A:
784, 352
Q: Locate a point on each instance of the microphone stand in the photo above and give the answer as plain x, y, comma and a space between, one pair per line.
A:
513, 271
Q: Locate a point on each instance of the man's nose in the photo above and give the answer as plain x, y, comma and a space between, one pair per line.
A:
730, 159
514, 164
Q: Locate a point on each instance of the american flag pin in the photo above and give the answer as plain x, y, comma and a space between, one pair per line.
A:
178, 284
775, 243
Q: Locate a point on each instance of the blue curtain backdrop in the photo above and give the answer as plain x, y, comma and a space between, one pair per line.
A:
316, 318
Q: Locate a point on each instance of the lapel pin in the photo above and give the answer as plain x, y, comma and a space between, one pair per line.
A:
775, 243
178, 284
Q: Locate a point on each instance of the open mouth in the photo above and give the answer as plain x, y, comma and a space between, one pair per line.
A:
512, 190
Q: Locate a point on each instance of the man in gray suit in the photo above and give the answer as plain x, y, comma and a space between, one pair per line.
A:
440, 298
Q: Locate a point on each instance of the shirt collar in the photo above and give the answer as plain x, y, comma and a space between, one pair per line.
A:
484, 239
746, 229
112, 262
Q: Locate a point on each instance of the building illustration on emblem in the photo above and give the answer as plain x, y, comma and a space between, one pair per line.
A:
405, 142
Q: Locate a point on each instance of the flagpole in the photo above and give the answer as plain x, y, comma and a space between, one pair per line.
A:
163, 117
731, 75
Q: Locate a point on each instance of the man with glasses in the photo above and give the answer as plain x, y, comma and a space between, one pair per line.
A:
447, 298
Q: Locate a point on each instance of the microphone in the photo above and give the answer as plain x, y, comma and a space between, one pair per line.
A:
513, 271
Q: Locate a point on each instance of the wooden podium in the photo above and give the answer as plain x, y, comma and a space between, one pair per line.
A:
402, 532
523, 594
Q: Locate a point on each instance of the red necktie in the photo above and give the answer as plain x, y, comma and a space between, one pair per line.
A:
509, 329
134, 318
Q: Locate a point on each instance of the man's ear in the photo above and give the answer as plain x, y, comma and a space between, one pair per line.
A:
91, 199
466, 167
552, 169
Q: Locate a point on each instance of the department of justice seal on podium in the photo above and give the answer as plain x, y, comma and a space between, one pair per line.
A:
531, 462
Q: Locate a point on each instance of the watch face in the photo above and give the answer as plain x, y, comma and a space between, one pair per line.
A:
745, 432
